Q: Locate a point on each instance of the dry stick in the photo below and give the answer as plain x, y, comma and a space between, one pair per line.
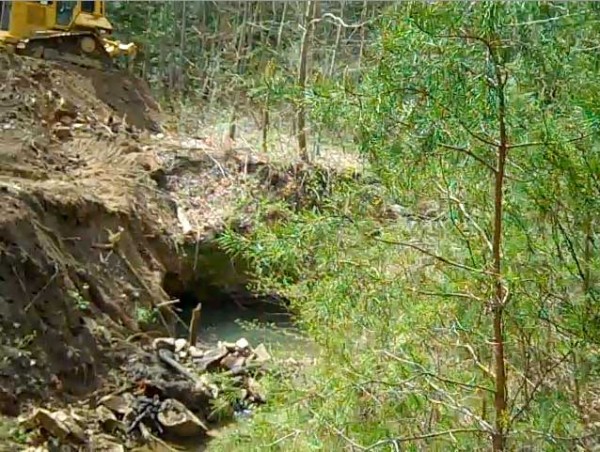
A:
302, 70
42, 290
195, 324
339, 21
477, 361
268, 73
295, 433
363, 14
149, 291
166, 356
338, 37
265, 126
281, 24
238, 66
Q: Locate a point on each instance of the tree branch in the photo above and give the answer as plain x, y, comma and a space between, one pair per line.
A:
447, 294
537, 386
470, 154
544, 21
433, 255
424, 436
547, 143
428, 373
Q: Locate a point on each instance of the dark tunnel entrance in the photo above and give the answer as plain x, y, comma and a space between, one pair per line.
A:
227, 312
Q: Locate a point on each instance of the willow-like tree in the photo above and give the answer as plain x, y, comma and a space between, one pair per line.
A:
486, 104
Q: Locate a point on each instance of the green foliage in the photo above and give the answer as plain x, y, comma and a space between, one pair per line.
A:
79, 300
401, 308
147, 315
406, 329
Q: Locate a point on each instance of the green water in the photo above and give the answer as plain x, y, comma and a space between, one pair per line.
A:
273, 329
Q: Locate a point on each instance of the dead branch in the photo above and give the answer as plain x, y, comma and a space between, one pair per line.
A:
405, 439
433, 255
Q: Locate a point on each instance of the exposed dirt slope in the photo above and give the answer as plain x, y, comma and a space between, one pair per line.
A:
93, 215
81, 223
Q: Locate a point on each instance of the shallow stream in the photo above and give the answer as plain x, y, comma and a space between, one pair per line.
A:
276, 330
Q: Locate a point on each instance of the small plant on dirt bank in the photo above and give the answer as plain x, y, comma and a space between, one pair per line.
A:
146, 315
79, 300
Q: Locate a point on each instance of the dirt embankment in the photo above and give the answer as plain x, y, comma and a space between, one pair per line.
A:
82, 224
94, 210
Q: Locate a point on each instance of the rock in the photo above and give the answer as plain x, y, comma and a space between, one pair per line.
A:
230, 346
233, 363
63, 133
108, 421
242, 344
205, 386
261, 354
116, 404
106, 443
182, 354
180, 344
178, 421
195, 352
58, 424
211, 357
255, 391
395, 211
64, 117
9, 404
164, 342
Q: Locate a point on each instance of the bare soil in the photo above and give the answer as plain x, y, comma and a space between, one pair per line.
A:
82, 224
95, 209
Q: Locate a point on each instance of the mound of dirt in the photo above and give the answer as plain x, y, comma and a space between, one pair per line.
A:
84, 231
93, 214
28, 87
88, 226
79, 253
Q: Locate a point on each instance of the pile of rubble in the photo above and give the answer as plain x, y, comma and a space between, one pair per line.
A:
170, 405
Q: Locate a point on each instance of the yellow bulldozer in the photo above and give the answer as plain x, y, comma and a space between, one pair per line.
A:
77, 32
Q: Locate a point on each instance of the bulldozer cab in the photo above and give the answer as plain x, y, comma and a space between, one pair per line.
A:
65, 12
73, 31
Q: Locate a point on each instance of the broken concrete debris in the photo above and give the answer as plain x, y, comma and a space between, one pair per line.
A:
178, 421
174, 407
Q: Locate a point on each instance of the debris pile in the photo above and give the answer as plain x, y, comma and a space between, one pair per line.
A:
173, 404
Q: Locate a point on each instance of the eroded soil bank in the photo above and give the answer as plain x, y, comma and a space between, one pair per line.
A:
103, 221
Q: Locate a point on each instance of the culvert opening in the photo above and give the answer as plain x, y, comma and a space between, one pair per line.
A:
229, 312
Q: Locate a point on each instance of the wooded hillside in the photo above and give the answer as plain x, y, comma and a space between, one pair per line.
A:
454, 288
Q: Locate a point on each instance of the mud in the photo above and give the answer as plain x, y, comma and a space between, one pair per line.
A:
81, 230
30, 85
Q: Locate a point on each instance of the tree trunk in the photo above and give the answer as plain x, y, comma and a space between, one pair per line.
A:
302, 71
363, 15
336, 45
500, 294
